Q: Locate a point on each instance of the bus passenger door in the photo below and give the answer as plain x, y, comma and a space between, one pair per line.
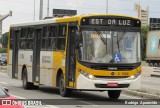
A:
70, 57
15, 53
36, 56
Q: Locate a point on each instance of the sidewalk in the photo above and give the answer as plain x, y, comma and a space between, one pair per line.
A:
150, 86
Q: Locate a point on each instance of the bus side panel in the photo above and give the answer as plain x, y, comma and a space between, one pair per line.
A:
9, 67
25, 58
58, 63
46, 61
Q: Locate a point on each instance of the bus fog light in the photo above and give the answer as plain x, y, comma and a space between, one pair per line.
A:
132, 77
91, 77
135, 76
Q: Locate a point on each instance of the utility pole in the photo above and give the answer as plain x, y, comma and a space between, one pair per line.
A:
2, 17
107, 7
41, 10
48, 9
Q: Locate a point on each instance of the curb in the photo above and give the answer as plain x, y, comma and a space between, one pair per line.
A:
154, 75
141, 94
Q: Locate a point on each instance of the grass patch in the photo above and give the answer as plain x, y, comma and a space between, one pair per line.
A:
141, 90
3, 68
144, 63
158, 94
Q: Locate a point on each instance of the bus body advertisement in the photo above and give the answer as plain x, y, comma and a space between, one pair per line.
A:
88, 52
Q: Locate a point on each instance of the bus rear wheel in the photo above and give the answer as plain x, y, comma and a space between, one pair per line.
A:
65, 92
26, 84
114, 94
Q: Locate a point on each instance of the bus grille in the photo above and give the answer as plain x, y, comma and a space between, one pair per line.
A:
118, 67
111, 77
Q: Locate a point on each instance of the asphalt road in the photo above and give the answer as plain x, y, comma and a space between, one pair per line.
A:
77, 100
151, 85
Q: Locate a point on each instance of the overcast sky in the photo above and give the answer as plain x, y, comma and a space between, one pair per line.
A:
23, 10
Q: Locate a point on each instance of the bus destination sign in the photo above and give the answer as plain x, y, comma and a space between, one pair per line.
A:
111, 22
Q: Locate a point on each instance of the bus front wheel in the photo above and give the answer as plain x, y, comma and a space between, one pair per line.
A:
114, 94
26, 84
151, 64
65, 92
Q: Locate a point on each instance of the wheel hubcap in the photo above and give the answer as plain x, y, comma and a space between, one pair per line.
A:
62, 84
24, 81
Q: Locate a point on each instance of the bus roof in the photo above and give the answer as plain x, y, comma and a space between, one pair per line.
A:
65, 19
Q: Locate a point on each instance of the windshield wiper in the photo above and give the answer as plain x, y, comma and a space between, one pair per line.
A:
118, 44
101, 36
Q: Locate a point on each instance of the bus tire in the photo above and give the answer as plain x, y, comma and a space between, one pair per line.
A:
150, 64
114, 94
64, 92
155, 64
26, 85
35, 87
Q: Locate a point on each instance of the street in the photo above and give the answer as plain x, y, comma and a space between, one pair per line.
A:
151, 84
67, 53
77, 99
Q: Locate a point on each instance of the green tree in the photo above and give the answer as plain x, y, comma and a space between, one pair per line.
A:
144, 30
4, 40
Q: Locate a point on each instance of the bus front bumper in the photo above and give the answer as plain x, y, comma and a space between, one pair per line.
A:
84, 83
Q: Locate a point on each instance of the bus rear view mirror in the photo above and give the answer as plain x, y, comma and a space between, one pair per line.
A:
79, 40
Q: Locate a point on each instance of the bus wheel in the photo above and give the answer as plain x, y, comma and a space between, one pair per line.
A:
114, 94
151, 64
35, 87
155, 64
26, 84
65, 92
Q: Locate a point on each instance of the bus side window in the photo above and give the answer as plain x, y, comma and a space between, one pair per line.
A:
30, 35
52, 37
45, 37
61, 37
23, 37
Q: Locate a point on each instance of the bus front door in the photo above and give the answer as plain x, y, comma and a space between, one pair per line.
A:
70, 58
36, 56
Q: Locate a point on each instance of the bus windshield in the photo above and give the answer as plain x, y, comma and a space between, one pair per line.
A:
101, 46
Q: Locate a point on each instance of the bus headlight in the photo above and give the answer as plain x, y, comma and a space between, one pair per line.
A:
86, 74
135, 75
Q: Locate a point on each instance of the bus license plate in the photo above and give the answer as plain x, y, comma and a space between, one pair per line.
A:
112, 84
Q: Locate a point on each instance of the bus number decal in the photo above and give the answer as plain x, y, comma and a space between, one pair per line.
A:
125, 74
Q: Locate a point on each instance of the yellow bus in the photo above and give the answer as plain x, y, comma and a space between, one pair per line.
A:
96, 52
